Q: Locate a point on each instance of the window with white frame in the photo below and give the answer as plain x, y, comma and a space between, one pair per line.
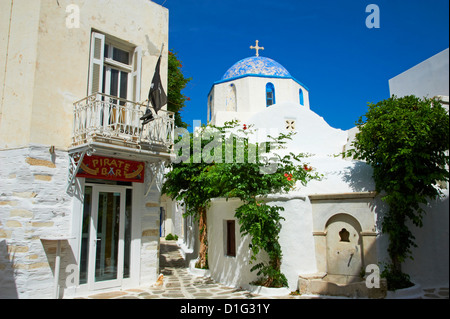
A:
115, 72
115, 68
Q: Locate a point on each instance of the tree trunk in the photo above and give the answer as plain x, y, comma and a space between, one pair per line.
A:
203, 238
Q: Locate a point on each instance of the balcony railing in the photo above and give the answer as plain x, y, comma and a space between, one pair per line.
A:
104, 118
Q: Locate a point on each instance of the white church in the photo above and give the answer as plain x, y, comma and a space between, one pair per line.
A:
331, 231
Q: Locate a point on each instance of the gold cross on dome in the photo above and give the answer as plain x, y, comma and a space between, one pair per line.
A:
257, 48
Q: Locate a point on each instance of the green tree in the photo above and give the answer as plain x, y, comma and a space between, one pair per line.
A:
406, 141
233, 172
176, 83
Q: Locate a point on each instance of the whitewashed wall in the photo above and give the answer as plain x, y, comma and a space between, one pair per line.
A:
231, 271
251, 97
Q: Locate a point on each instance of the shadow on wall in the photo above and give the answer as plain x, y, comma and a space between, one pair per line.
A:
431, 258
191, 240
359, 177
8, 289
66, 275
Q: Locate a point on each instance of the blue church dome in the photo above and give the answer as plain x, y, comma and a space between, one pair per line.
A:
256, 65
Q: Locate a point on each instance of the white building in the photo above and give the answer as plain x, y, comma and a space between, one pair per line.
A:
331, 231
261, 93
429, 78
79, 175
430, 266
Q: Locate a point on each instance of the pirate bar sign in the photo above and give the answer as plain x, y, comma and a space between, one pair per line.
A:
113, 169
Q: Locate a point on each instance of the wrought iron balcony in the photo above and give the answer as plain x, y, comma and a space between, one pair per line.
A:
108, 119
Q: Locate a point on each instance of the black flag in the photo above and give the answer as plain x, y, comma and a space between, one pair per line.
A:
157, 95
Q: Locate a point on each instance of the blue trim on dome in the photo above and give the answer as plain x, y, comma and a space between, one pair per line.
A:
258, 76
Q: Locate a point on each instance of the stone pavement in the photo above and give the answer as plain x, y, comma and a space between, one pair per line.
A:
178, 283
435, 293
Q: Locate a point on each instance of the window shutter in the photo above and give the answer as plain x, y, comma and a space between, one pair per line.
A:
96, 63
134, 117
136, 74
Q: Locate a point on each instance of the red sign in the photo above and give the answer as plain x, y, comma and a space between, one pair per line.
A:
112, 169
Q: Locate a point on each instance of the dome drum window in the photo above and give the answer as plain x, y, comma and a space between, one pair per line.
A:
270, 94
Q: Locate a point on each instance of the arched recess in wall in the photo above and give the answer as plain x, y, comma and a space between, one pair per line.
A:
344, 248
270, 94
210, 108
231, 98
301, 97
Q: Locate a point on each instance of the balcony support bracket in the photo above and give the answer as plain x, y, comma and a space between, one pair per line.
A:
75, 160
156, 171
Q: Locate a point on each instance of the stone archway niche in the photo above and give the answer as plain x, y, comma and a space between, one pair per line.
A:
345, 243
344, 249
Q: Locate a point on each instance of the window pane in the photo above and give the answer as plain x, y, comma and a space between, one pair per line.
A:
270, 94
107, 236
123, 84
114, 85
121, 56
106, 54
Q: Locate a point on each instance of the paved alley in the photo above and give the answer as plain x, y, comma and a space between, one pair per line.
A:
178, 283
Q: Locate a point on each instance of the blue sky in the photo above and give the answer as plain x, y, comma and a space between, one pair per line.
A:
324, 44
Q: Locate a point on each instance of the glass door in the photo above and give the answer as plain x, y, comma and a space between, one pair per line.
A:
109, 236
106, 252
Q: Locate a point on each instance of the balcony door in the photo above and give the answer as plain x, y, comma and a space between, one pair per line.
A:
115, 72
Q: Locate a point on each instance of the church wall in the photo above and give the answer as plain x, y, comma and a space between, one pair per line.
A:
296, 241
231, 271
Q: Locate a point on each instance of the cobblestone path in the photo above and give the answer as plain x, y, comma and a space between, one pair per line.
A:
178, 283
